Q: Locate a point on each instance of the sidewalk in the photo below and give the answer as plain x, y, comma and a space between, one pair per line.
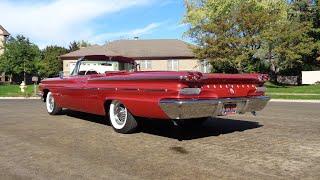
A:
295, 100
20, 98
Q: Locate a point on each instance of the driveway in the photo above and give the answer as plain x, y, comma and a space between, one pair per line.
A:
282, 142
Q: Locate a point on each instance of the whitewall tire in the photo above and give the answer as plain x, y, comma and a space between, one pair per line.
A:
51, 105
121, 119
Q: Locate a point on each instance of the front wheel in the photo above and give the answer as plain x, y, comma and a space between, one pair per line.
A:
121, 119
51, 105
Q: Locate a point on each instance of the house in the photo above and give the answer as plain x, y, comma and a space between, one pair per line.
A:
152, 55
3, 38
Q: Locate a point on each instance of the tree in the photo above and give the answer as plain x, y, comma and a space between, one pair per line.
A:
50, 64
19, 57
249, 35
308, 12
316, 19
290, 46
83, 43
228, 32
73, 46
76, 45
286, 48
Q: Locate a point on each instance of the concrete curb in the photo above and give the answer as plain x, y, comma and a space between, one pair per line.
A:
19, 98
295, 100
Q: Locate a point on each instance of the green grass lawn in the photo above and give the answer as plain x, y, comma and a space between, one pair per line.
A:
295, 97
275, 91
305, 89
293, 92
14, 91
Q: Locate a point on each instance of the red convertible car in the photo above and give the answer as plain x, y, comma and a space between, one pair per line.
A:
115, 88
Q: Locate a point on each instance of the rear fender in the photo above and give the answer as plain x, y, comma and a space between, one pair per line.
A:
148, 108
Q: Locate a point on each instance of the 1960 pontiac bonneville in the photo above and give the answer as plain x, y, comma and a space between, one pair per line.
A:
127, 93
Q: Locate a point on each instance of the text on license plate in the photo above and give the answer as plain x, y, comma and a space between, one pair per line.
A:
230, 109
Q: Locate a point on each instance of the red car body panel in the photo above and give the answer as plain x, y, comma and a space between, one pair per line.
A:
141, 91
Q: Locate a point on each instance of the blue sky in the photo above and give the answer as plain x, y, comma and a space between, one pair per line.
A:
58, 22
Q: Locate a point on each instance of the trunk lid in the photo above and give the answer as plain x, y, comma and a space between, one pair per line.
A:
210, 85
226, 85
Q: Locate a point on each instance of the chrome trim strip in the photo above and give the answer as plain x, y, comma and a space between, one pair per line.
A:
154, 90
118, 89
129, 89
196, 108
107, 89
134, 78
90, 88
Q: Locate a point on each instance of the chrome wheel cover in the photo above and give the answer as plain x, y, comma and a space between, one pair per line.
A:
118, 114
50, 102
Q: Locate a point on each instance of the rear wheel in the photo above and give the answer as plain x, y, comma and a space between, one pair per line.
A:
121, 119
51, 105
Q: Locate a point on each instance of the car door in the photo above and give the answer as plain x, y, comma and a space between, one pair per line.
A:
73, 93
93, 104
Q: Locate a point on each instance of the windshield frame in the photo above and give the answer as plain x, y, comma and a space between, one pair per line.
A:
76, 70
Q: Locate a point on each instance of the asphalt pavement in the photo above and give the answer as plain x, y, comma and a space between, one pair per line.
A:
281, 142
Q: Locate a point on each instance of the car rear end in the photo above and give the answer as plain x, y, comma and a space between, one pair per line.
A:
210, 95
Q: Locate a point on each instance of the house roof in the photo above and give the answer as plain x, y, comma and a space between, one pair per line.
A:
155, 49
152, 49
94, 50
4, 31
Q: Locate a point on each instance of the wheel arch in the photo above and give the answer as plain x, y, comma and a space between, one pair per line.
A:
127, 103
106, 105
44, 95
138, 107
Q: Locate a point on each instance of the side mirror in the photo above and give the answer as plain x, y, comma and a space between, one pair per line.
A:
61, 74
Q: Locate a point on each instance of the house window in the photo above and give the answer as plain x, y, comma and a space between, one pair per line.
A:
205, 66
173, 65
145, 64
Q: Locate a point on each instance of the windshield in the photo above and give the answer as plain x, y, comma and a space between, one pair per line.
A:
100, 67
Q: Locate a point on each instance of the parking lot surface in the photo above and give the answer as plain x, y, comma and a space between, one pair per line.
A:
282, 142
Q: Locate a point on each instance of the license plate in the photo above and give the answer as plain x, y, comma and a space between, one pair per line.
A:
229, 109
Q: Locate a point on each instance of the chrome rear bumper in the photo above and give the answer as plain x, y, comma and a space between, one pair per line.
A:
196, 108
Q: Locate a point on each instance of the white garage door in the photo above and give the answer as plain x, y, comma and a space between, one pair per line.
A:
310, 77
